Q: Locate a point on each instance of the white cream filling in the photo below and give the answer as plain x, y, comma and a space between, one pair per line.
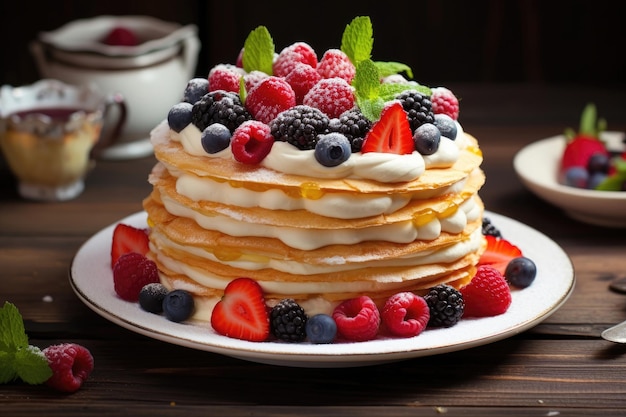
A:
382, 167
309, 239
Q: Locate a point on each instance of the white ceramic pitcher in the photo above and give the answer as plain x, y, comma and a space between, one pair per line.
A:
151, 76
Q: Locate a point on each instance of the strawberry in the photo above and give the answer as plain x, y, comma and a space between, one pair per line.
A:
579, 150
391, 133
241, 313
488, 294
499, 253
128, 239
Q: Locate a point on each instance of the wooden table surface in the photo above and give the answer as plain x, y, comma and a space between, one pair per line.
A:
560, 367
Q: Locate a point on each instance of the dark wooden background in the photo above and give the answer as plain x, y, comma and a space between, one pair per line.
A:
562, 42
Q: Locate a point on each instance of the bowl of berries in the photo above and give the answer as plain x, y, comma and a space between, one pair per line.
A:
583, 172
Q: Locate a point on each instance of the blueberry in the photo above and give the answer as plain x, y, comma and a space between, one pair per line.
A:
321, 328
520, 272
178, 305
215, 138
179, 116
595, 179
598, 162
576, 177
332, 149
196, 88
151, 297
446, 126
427, 138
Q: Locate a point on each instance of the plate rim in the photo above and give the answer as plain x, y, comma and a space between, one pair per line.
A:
301, 355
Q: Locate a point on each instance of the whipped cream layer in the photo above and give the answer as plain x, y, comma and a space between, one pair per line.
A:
382, 167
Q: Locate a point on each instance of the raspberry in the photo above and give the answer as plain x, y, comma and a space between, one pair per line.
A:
301, 79
288, 321
270, 97
357, 319
224, 77
335, 63
300, 126
445, 102
251, 142
253, 78
292, 55
405, 314
332, 96
121, 36
131, 272
71, 365
487, 294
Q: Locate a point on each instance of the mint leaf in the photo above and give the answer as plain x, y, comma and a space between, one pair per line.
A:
17, 357
389, 68
615, 181
388, 91
371, 108
366, 85
588, 120
357, 40
12, 332
32, 366
258, 51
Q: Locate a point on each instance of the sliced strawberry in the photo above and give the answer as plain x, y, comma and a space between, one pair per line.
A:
127, 239
241, 313
579, 150
499, 253
390, 134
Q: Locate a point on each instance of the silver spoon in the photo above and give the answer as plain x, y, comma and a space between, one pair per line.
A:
616, 333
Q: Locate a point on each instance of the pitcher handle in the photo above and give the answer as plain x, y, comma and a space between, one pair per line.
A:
113, 100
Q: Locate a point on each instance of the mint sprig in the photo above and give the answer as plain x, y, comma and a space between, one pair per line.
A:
18, 359
357, 40
258, 51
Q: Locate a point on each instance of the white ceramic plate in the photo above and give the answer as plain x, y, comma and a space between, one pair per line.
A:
91, 279
537, 166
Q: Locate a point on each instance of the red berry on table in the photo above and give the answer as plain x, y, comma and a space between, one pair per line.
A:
332, 96
289, 57
445, 102
270, 97
251, 142
120, 36
335, 63
357, 319
126, 239
405, 314
71, 365
241, 313
499, 253
131, 272
391, 133
488, 294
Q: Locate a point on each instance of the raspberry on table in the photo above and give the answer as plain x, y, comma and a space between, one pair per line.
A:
357, 319
71, 365
131, 272
445, 102
335, 63
333, 96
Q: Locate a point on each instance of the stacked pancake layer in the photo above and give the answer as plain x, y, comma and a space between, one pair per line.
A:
317, 238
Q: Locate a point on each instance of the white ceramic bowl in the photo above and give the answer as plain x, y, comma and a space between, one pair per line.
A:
537, 167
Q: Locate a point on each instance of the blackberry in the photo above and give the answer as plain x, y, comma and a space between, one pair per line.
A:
418, 107
300, 126
490, 229
219, 107
288, 321
354, 126
446, 306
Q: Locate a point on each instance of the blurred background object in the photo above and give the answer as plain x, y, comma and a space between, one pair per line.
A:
444, 41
